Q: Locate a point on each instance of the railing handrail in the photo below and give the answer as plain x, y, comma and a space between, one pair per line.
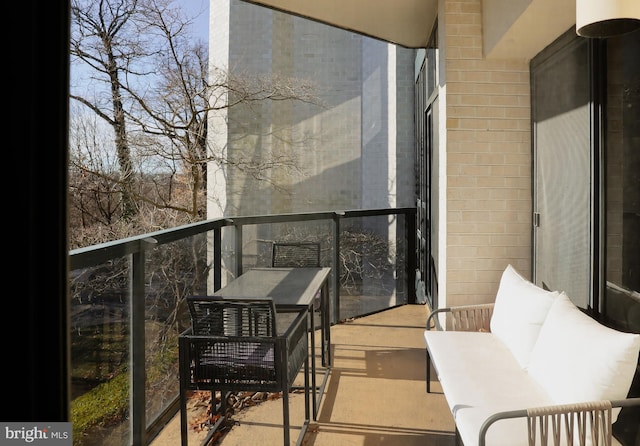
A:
96, 254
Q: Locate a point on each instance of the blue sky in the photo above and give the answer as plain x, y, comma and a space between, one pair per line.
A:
192, 8
201, 25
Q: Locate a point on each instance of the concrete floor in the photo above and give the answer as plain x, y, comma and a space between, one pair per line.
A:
375, 394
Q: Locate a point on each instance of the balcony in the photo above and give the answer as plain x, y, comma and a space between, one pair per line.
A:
127, 309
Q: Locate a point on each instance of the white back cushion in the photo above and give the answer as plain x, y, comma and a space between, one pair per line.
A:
520, 309
577, 359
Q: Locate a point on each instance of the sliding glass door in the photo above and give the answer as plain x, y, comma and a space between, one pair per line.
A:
563, 199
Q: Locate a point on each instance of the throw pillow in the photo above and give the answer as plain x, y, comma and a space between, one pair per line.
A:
520, 309
577, 359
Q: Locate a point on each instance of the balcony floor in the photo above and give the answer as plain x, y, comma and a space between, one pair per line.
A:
375, 394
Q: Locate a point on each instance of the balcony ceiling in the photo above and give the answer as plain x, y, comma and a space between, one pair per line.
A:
403, 22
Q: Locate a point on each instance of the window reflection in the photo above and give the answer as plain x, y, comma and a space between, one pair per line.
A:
622, 182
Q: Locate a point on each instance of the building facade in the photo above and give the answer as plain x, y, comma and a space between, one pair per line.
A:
350, 149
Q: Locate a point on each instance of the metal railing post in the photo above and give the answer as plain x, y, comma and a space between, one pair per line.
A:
137, 397
335, 282
410, 256
238, 249
217, 258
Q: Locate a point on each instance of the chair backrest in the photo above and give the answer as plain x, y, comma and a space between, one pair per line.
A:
231, 316
295, 254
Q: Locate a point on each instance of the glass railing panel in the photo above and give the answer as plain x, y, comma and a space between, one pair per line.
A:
372, 255
173, 272
100, 359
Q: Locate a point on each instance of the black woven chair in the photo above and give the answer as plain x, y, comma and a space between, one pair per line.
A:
235, 344
295, 254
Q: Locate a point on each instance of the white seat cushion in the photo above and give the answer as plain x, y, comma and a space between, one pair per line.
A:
479, 377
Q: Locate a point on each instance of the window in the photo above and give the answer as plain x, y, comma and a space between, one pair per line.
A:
563, 191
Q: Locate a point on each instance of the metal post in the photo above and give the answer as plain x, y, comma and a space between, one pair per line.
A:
335, 283
137, 343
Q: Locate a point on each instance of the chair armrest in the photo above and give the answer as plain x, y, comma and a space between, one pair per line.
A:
556, 415
433, 317
464, 317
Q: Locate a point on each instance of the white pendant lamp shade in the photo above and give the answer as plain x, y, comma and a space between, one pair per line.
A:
607, 18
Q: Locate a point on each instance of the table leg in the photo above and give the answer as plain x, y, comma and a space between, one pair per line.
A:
326, 326
312, 329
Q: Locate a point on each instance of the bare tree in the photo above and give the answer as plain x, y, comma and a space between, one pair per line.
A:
92, 198
158, 97
105, 38
177, 109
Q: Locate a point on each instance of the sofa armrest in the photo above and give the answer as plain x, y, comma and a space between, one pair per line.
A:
546, 422
464, 317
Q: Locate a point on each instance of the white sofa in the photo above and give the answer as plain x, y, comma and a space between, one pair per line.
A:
529, 349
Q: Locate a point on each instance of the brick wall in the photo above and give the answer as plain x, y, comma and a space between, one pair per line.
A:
488, 149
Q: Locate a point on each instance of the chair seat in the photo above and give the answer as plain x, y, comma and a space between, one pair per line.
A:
235, 362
